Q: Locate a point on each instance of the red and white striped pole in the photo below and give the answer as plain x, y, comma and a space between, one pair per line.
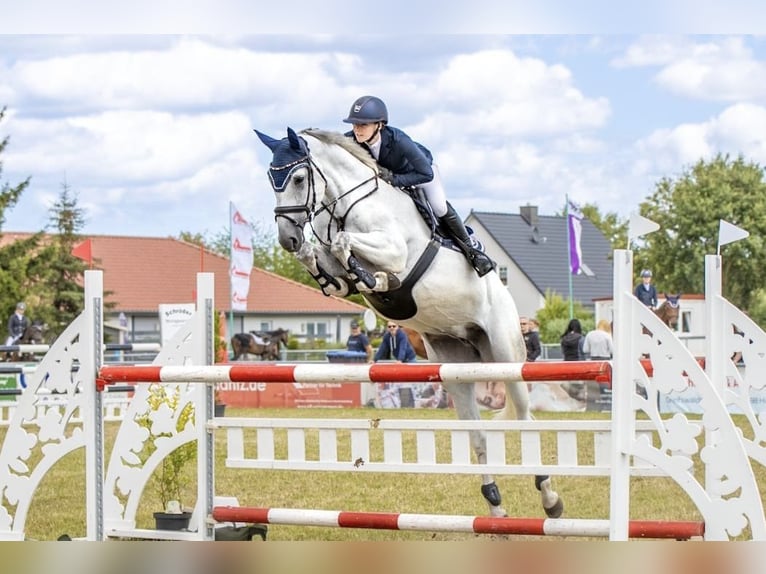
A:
452, 523
355, 373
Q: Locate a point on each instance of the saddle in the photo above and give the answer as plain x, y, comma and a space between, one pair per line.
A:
438, 232
259, 338
397, 303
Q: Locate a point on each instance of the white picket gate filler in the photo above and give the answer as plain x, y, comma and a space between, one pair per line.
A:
728, 498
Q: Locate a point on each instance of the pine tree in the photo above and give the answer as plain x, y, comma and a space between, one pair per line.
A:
59, 272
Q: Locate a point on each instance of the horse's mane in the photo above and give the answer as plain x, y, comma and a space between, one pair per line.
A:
347, 143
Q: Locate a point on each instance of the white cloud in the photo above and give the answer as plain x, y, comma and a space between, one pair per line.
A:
721, 69
738, 130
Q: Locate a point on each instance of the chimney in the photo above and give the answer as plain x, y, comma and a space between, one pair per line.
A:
529, 214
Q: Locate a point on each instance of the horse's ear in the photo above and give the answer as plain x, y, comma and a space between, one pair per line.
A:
295, 141
268, 141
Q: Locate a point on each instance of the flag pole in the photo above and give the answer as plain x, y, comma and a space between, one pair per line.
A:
231, 283
569, 256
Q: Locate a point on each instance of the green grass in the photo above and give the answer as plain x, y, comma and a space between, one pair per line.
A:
59, 504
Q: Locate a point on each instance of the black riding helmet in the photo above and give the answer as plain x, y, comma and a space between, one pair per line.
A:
367, 110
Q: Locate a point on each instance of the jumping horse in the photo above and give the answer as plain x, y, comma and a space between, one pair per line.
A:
370, 237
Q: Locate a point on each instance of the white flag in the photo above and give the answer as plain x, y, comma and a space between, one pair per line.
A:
639, 226
729, 233
241, 260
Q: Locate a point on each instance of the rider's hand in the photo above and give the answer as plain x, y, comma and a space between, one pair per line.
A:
386, 175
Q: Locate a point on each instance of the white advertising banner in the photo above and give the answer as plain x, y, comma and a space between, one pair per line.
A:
172, 317
241, 259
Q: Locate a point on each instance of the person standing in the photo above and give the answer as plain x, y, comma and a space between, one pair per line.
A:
358, 341
395, 345
17, 324
598, 345
571, 349
572, 341
531, 339
645, 291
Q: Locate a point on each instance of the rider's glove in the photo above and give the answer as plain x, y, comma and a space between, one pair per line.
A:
386, 175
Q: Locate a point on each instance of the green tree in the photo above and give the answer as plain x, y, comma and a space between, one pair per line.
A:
59, 273
15, 280
614, 228
554, 317
688, 210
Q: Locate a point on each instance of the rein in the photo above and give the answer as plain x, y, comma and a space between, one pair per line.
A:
309, 207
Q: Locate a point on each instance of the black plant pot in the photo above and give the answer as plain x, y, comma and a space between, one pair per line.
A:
219, 409
166, 521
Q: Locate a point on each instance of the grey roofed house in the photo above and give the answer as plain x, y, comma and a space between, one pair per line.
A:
532, 256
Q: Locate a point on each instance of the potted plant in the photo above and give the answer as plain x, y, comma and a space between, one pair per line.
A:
173, 475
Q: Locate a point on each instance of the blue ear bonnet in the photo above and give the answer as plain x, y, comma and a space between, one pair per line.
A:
290, 154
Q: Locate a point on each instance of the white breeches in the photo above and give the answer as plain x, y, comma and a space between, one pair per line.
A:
434, 191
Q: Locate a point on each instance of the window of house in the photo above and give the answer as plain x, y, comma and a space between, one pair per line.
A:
503, 273
686, 321
265, 326
316, 330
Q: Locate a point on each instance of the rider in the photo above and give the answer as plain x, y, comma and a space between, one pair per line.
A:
404, 163
17, 324
645, 291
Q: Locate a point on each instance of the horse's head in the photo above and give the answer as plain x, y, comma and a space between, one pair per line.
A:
316, 182
291, 179
34, 333
670, 310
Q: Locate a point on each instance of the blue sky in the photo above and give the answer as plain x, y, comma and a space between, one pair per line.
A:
154, 131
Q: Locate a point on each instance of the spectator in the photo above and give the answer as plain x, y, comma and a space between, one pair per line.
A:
531, 339
598, 344
572, 342
17, 324
395, 345
645, 292
571, 348
358, 341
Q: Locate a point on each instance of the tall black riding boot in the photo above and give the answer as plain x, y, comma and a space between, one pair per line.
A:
479, 260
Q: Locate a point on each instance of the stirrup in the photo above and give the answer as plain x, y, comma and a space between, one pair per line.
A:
482, 263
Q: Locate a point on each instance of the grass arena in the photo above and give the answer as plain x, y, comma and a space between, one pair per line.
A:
352, 475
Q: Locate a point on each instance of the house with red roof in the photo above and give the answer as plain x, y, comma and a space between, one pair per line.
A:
140, 273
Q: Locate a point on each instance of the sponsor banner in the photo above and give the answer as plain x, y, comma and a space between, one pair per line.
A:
172, 316
289, 395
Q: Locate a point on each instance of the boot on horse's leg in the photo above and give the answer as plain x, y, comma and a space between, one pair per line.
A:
454, 225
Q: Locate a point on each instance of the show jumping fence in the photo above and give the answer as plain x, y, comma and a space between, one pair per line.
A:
727, 498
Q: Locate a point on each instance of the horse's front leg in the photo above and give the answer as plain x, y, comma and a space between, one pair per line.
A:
386, 252
325, 270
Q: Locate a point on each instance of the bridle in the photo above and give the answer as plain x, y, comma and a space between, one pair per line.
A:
309, 208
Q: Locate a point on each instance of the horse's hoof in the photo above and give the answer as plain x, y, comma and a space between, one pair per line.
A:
556, 510
393, 282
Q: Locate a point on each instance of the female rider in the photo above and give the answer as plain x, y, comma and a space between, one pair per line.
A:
406, 163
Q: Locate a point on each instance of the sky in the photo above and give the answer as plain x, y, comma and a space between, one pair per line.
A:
149, 122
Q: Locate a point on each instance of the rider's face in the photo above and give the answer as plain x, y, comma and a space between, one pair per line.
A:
363, 132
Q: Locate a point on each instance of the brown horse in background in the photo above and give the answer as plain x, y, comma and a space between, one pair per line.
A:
281, 336
669, 310
34, 334
247, 344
